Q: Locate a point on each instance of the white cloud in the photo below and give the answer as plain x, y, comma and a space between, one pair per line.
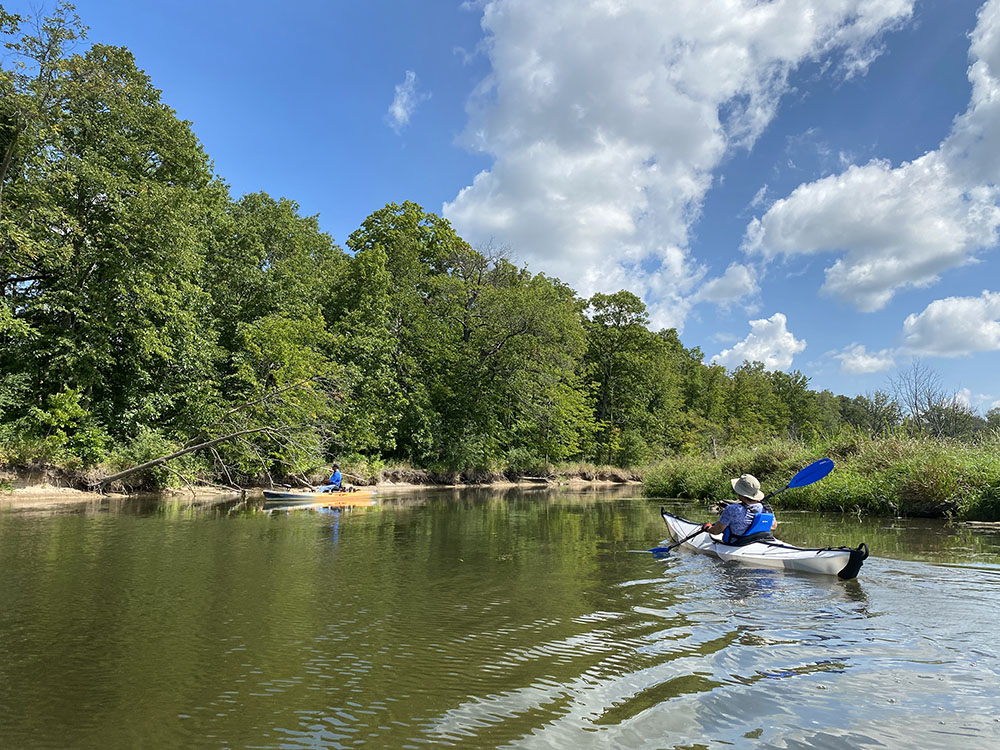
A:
407, 97
856, 360
606, 120
955, 326
736, 283
769, 342
904, 226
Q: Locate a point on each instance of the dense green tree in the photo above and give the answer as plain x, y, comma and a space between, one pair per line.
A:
804, 418
103, 231
952, 418
828, 411
521, 364
636, 381
461, 357
756, 411
414, 342
366, 342
876, 413
266, 259
705, 390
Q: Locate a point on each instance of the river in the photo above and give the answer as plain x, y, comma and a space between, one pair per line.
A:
484, 619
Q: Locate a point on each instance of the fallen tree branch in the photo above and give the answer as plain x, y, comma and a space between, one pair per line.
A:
176, 454
183, 479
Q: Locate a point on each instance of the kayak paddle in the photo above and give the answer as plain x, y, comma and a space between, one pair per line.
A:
812, 473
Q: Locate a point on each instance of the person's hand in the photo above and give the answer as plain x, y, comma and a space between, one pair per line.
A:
707, 525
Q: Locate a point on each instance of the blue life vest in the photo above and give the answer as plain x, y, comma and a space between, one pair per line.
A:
759, 528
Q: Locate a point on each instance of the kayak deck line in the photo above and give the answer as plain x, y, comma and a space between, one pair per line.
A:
844, 562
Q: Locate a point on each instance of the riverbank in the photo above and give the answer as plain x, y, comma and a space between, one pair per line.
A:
48, 487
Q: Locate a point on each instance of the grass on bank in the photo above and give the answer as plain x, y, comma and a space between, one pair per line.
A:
894, 476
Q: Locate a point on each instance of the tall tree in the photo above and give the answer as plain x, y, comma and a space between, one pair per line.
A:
756, 411
636, 381
103, 231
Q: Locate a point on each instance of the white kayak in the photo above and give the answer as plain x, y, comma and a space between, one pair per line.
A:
844, 562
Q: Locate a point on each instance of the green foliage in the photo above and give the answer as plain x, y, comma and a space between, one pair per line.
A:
62, 430
686, 476
355, 468
993, 419
521, 462
148, 445
636, 381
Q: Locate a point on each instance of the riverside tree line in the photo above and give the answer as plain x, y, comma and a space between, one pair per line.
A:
145, 309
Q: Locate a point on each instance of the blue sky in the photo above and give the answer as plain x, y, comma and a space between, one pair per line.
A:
811, 183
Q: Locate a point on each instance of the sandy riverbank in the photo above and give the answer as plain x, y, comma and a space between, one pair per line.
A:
43, 497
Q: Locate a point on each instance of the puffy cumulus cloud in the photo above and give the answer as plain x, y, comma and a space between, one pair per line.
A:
899, 227
856, 360
405, 102
769, 342
606, 119
738, 282
955, 326
903, 226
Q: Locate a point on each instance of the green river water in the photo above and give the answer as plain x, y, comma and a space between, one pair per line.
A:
484, 619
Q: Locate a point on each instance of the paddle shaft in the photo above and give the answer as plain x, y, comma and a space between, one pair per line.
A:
675, 545
769, 495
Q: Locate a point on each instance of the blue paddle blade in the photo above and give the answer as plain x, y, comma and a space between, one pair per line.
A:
812, 473
660, 552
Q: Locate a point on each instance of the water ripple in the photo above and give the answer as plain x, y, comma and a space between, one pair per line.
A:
492, 624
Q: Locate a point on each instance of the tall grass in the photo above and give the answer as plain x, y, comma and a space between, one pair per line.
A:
897, 476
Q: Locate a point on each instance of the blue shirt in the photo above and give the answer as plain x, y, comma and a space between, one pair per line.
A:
738, 516
335, 478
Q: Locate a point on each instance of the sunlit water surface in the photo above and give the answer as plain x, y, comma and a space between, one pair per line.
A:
484, 619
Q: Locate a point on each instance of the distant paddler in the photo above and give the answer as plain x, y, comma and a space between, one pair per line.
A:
335, 483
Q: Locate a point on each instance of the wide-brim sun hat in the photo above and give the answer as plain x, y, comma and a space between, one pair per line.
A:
747, 485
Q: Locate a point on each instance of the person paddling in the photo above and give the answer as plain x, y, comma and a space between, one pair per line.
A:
745, 521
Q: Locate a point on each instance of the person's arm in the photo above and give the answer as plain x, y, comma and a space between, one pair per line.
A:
719, 526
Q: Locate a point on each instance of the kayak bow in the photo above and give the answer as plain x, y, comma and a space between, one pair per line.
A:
844, 562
